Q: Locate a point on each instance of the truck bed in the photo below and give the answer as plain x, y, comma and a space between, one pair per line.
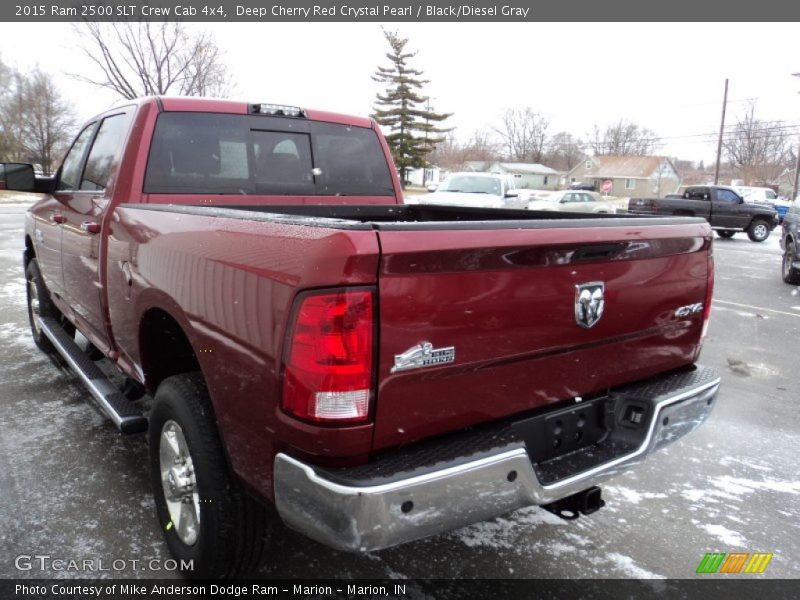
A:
499, 286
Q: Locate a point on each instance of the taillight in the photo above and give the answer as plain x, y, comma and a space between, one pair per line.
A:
709, 291
327, 374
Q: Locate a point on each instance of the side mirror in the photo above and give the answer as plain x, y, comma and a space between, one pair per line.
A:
17, 177
432, 187
512, 193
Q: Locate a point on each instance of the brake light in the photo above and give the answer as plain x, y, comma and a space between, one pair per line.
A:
329, 358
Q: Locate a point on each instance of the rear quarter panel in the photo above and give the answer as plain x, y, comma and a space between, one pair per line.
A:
230, 284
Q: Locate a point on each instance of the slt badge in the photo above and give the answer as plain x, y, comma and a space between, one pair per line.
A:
589, 303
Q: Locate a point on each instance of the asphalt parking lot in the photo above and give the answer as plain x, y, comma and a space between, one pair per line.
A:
72, 488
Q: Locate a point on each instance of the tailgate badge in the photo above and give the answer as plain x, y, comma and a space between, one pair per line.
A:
589, 303
423, 355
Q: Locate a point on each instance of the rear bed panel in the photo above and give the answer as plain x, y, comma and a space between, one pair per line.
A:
508, 308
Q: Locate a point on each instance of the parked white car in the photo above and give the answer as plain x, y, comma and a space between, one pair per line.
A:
482, 190
570, 201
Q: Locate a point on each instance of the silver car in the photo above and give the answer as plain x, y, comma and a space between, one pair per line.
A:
570, 201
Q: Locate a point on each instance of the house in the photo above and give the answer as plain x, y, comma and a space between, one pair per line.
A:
526, 175
529, 175
424, 177
631, 176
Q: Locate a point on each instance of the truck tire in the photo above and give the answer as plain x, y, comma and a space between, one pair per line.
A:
39, 305
790, 274
204, 515
758, 230
725, 233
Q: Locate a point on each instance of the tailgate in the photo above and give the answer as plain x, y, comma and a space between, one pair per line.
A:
505, 301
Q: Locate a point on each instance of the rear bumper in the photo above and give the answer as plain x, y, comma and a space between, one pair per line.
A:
399, 500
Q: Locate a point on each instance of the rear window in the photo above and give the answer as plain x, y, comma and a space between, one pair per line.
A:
200, 153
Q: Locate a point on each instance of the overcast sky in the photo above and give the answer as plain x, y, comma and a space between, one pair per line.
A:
668, 77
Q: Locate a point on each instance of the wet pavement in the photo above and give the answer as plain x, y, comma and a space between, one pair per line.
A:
72, 488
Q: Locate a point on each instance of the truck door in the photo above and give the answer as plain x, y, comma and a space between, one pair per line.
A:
726, 207
49, 217
83, 209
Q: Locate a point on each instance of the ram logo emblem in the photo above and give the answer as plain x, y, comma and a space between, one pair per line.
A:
589, 303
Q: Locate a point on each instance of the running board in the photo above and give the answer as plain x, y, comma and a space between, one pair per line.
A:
126, 416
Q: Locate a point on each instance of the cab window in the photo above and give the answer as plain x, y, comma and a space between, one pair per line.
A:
727, 196
105, 152
696, 194
71, 168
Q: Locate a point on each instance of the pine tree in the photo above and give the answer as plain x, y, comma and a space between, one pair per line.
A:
404, 111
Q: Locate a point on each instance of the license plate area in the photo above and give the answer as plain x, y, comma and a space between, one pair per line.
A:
566, 430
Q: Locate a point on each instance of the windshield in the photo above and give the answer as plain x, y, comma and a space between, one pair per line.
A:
472, 184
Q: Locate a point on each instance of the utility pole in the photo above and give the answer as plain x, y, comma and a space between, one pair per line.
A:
797, 162
721, 131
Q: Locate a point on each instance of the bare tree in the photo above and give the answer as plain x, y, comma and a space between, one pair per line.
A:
481, 146
12, 109
564, 151
8, 77
524, 134
453, 154
624, 138
759, 150
150, 58
47, 121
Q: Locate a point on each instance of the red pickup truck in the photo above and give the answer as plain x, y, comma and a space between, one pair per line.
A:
291, 335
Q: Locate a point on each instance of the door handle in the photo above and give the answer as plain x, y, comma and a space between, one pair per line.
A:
90, 227
58, 218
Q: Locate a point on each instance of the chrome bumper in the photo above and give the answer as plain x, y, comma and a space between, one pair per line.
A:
371, 517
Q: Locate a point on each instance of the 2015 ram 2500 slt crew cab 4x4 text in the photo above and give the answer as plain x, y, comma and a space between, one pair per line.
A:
375, 372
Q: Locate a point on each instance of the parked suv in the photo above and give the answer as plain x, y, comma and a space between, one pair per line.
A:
790, 234
476, 190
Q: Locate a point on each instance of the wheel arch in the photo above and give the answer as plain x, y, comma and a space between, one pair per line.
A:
165, 348
758, 218
30, 252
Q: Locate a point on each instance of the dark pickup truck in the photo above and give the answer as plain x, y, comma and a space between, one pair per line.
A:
721, 206
294, 338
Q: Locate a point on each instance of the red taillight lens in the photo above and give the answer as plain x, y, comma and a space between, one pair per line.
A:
328, 371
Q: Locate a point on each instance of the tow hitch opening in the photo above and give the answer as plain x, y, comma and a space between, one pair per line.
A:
582, 503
